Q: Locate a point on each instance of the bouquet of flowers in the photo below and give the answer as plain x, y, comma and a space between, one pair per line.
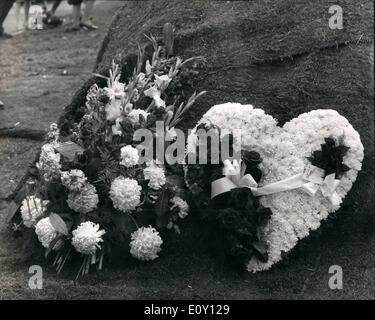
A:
97, 185
110, 177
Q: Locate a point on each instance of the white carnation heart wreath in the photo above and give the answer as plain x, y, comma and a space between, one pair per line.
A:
285, 151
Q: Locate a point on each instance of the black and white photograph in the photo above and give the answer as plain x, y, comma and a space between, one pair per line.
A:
187, 153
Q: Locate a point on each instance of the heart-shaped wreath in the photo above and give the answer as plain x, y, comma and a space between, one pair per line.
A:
292, 178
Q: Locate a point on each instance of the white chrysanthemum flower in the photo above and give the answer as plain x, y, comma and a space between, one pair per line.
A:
155, 174
49, 163
145, 244
84, 201
125, 194
86, 237
74, 180
129, 156
32, 210
182, 206
134, 115
46, 232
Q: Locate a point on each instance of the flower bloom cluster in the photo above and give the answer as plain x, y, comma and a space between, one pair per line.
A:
92, 97
129, 156
116, 90
161, 83
145, 244
125, 194
46, 232
74, 180
133, 115
155, 174
114, 109
54, 133
284, 151
49, 163
85, 200
181, 205
32, 210
86, 238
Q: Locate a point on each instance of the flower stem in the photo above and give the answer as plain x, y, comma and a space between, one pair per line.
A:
135, 222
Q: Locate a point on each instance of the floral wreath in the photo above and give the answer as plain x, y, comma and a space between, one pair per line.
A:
287, 180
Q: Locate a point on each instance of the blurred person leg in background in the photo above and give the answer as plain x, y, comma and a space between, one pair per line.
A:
55, 5
5, 6
50, 19
86, 21
76, 13
26, 8
83, 21
17, 10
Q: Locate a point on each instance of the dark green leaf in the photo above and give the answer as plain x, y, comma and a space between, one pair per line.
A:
162, 207
260, 246
12, 210
175, 180
59, 224
168, 35
15, 204
53, 243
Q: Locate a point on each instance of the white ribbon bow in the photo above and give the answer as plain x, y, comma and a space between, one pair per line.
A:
310, 181
326, 185
235, 177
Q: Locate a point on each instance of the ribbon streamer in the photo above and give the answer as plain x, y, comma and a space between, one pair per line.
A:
310, 181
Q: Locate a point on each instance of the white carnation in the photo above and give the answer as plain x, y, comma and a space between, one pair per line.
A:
155, 174
134, 115
84, 201
46, 232
86, 237
145, 244
181, 204
125, 194
74, 180
32, 210
129, 156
